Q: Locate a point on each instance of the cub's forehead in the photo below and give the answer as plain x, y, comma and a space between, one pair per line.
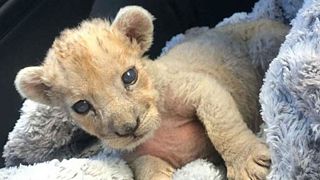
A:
91, 36
93, 42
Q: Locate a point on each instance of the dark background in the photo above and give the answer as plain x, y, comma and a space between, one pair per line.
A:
28, 27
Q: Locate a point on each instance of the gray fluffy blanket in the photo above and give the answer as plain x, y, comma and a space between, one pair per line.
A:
47, 140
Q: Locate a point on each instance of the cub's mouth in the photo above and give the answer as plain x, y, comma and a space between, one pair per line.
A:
131, 131
129, 138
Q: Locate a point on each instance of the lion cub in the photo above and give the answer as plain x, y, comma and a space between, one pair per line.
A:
197, 100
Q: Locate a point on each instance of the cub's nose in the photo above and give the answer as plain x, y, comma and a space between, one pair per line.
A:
128, 128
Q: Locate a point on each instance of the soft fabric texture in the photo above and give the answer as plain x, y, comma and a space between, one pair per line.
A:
290, 109
102, 166
290, 100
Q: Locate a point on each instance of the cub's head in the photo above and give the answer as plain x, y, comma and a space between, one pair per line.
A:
96, 72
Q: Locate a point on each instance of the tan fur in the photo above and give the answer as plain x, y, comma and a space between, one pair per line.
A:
198, 99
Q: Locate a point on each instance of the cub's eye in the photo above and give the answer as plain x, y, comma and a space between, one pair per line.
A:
130, 76
82, 107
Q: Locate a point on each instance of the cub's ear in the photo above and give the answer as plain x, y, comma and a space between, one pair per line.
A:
29, 84
136, 23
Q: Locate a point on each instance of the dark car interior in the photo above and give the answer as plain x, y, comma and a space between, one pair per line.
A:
28, 27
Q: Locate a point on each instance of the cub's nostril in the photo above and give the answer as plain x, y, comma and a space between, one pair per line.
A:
137, 123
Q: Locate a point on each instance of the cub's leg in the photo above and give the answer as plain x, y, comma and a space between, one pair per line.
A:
151, 168
246, 157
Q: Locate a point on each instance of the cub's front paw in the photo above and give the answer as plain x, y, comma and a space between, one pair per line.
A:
164, 174
161, 177
252, 164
